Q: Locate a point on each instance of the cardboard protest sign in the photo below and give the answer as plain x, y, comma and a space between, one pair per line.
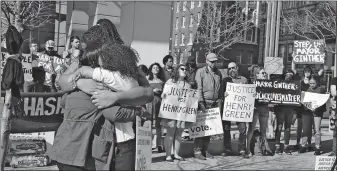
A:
207, 124
313, 101
309, 52
179, 103
239, 104
26, 65
58, 63
143, 145
273, 65
274, 91
43, 112
324, 162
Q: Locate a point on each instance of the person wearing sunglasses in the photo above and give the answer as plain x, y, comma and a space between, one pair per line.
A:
175, 128
234, 77
210, 85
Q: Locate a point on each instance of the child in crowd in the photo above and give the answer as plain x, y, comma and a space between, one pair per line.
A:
307, 119
118, 70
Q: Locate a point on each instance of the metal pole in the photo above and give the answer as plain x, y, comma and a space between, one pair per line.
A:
58, 29
266, 50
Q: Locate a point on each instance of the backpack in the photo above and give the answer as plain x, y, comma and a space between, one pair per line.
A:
258, 144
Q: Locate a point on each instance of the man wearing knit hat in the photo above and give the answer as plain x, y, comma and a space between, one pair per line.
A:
209, 83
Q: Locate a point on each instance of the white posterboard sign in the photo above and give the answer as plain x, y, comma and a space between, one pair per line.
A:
313, 101
143, 145
207, 124
239, 104
179, 103
324, 162
273, 65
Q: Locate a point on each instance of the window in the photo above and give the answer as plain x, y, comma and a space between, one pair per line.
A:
281, 51
238, 58
199, 17
290, 52
199, 4
177, 22
192, 4
249, 36
176, 40
178, 6
182, 39
190, 42
184, 20
191, 20
184, 5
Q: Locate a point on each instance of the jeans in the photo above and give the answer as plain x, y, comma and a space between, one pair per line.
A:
125, 155
284, 115
308, 121
261, 113
201, 144
226, 125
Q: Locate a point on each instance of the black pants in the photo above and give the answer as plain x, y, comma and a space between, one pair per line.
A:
125, 156
65, 167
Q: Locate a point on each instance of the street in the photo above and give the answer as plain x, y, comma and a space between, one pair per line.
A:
295, 161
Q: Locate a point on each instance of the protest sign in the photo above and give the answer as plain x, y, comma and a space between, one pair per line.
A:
273, 65
26, 65
324, 162
207, 124
273, 91
58, 63
179, 103
313, 101
309, 52
143, 145
43, 113
239, 104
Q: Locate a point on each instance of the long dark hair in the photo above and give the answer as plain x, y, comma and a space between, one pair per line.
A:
160, 73
175, 75
13, 40
110, 29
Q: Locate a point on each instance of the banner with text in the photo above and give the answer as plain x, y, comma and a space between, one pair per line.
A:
309, 52
59, 64
239, 104
143, 145
43, 112
179, 103
207, 124
313, 101
272, 91
26, 65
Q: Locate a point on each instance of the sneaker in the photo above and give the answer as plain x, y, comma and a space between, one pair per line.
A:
208, 155
287, 150
244, 155
227, 153
302, 150
278, 149
199, 156
332, 154
318, 152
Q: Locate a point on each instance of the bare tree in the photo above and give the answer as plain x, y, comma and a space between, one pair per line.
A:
312, 23
221, 24
26, 15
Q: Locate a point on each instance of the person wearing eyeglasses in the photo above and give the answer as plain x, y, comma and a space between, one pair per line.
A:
210, 85
234, 77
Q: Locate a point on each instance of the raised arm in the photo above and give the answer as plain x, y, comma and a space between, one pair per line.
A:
293, 67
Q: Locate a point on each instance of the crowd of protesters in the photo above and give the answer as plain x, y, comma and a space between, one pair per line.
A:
106, 86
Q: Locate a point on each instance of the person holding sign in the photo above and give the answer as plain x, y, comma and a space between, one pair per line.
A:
333, 113
210, 85
307, 120
12, 81
175, 128
261, 112
234, 77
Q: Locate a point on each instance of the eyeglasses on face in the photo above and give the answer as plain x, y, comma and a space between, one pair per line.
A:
231, 68
183, 69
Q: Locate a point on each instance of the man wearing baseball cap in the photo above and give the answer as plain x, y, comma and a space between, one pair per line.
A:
209, 83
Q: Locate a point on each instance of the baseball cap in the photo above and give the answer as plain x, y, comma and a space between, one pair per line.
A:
50, 44
212, 57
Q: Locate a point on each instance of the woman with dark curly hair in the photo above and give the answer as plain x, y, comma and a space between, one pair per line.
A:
156, 80
175, 128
